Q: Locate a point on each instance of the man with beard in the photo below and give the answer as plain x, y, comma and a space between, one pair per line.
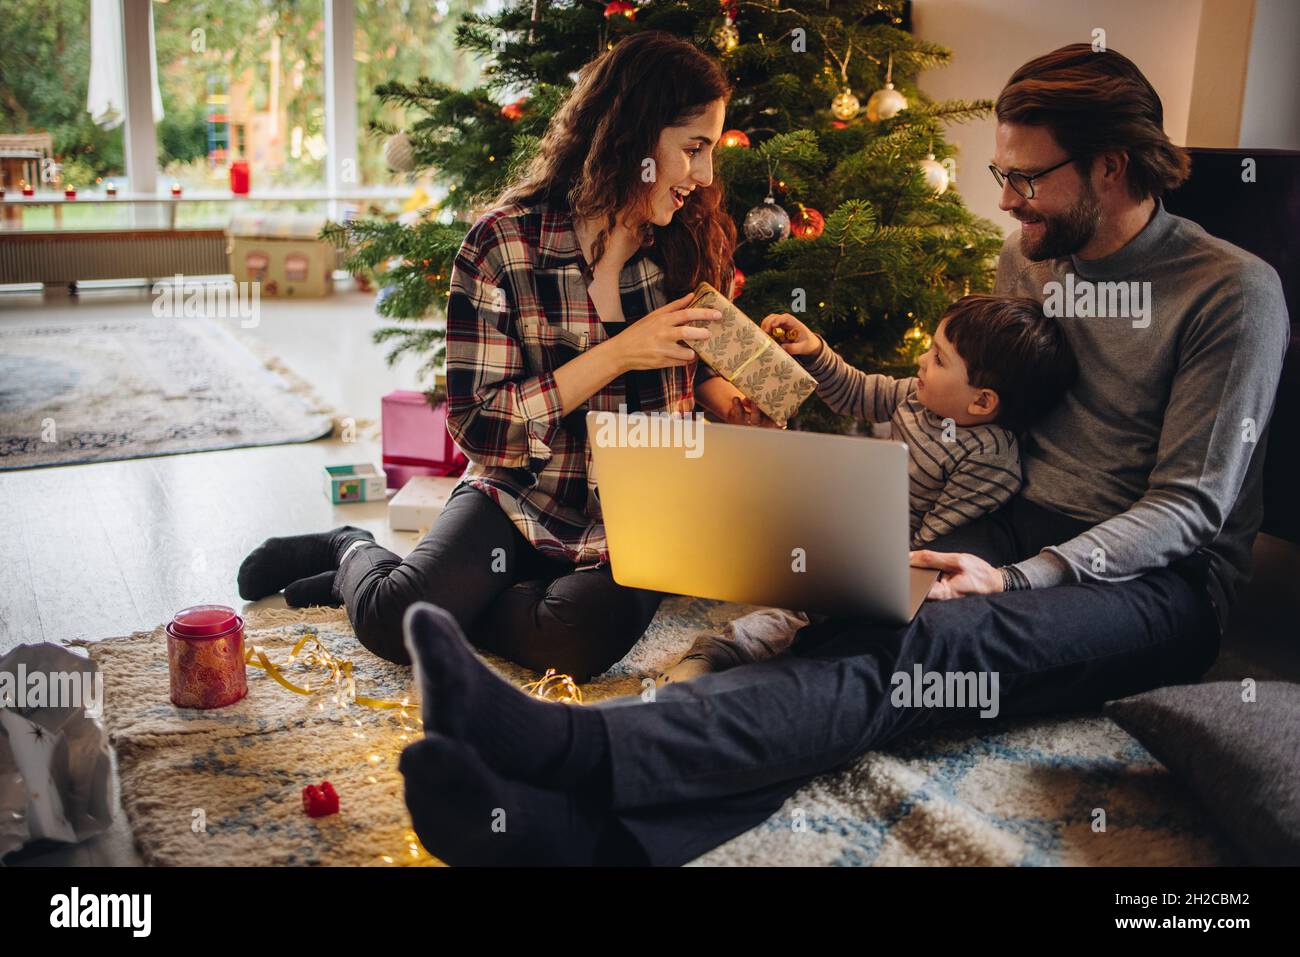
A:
1112, 572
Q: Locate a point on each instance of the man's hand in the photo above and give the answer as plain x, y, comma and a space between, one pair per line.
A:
961, 574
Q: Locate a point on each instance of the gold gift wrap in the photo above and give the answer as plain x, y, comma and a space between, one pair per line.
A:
750, 359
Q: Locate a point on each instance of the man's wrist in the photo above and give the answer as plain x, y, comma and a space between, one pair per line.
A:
1013, 579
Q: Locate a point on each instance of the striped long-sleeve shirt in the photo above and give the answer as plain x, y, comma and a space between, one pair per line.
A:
955, 473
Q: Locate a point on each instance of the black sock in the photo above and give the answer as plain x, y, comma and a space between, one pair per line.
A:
465, 812
540, 742
316, 590
277, 562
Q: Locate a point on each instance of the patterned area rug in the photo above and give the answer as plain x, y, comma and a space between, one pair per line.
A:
223, 787
75, 392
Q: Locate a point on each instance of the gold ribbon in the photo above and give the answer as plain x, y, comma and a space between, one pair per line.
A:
767, 344
338, 671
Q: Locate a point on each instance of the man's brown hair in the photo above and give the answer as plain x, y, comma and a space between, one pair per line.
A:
1094, 102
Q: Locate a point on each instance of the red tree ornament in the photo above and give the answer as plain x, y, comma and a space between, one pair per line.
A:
513, 111
620, 7
807, 223
739, 283
735, 138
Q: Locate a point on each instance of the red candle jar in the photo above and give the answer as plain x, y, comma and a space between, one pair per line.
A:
176, 189
205, 657
70, 193
29, 190
239, 177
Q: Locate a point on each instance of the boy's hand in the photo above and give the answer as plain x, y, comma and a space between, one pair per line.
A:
795, 338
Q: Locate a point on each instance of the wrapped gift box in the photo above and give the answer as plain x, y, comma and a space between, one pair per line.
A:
361, 482
750, 359
415, 439
419, 502
283, 252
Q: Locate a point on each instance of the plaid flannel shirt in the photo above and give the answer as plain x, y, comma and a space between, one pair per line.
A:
518, 310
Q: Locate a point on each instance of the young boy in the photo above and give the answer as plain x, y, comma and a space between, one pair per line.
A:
994, 367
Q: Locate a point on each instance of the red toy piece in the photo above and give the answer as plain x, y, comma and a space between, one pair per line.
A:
319, 801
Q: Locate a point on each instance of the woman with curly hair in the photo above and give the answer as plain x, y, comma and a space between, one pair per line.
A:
570, 294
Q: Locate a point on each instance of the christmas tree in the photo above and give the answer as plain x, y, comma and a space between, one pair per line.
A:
865, 238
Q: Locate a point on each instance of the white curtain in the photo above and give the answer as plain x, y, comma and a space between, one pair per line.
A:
106, 91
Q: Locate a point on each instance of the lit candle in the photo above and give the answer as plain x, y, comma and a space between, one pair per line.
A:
28, 189
110, 188
176, 188
70, 192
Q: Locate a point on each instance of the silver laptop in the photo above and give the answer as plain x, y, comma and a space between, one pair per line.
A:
795, 520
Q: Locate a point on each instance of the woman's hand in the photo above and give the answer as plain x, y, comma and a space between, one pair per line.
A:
961, 574
742, 411
799, 340
656, 340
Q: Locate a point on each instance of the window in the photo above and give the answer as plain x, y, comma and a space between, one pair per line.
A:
400, 41
46, 135
241, 79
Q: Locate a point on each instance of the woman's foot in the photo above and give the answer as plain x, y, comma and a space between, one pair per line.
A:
278, 562
539, 742
692, 666
316, 590
467, 813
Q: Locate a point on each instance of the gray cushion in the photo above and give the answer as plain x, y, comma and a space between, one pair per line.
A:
1241, 759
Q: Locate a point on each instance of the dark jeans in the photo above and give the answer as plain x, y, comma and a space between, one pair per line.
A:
515, 602
713, 757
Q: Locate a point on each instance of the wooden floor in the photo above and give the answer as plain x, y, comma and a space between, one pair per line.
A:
94, 551
100, 550
109, 548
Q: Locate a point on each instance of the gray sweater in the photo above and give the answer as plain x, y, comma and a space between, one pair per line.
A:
1161, 441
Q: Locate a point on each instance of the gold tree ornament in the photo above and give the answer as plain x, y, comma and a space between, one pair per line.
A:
886, 103
727, 37
936, 175
845, 106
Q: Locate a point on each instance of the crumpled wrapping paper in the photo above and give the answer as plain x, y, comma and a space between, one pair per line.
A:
740, 351
56, 778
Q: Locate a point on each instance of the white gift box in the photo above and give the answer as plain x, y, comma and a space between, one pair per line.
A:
419, 502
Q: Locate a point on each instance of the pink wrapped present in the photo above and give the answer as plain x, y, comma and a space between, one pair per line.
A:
416, 440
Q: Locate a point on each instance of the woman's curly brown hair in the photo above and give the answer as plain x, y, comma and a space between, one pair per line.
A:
591, 155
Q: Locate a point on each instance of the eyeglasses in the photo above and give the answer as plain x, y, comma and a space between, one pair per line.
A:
1020, 182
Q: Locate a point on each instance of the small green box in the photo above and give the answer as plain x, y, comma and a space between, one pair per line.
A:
361, 482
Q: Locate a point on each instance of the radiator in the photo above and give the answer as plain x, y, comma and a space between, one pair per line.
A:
64, 256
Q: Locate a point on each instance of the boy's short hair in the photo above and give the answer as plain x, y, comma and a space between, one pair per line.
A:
1011, 347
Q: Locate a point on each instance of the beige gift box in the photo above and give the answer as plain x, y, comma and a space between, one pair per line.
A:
750, 359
